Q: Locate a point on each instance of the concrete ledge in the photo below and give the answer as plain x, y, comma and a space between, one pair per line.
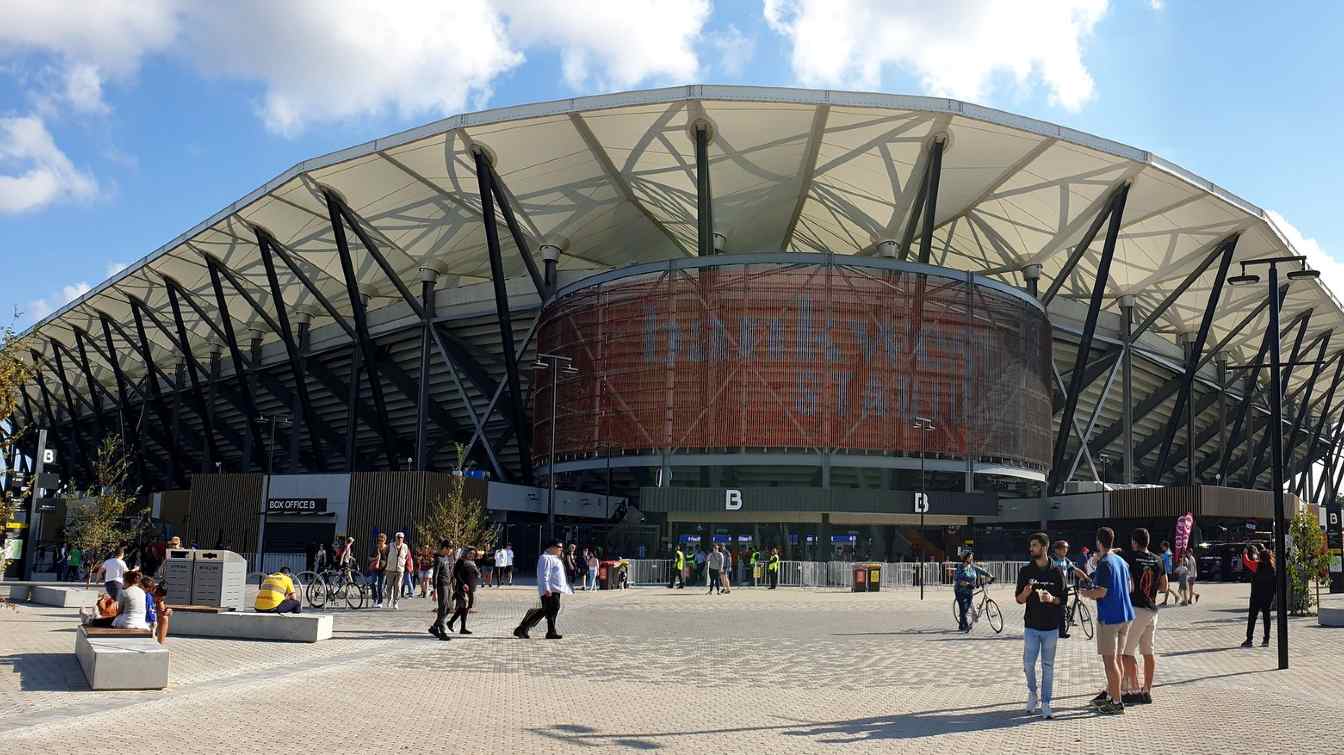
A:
122, 661
63, 597
239, 625
1331, 612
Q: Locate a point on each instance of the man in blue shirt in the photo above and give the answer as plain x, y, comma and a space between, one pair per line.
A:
1110, 588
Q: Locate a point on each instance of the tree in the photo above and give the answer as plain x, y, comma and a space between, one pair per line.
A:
1307, 561
96, 525
457, 518
13, 372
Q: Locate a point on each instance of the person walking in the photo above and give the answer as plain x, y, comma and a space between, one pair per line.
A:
700, 559
441, 579
424, 565
1148, 578
725, 577
378, 568
1110, 588
714, 562
752, 561
1168, 569
678, 570
485, 562
504, 565
466, 575
113, 571
397, 555
966, 579
593, 565
551, 584
772, 566
1191, 574
571, 562
1264, 587
74, 564
1041, 588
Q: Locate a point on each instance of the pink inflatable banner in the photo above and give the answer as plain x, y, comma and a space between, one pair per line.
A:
1184, 524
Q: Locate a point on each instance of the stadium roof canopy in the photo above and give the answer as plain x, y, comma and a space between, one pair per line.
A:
611, 179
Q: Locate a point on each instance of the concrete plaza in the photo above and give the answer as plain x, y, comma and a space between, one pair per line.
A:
655, 669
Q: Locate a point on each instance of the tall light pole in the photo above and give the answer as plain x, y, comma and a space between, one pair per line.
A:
924, 425
1276, 422
266, 496
556, 364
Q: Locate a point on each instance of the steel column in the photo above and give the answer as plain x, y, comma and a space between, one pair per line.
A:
1276, 400
296, 360
1127, 386
931, 199
184, 346
365, 344
427, 278
1116, 213
240, 366
88, 379
1086, 242
73, 410
505, 317
520, 238
704, 199
176, 469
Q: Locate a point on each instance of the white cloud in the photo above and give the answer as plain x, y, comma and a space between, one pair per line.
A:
1332, 270
34, 172
39, 308
115, 267
609, 45
734, 48
1156, 4
957, 48
331, 60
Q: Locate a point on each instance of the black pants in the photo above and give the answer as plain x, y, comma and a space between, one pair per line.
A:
774, 579
550, 608
463, 601
1064, 619
677, 580
441, 611
1258, 607
288, 605
715, 580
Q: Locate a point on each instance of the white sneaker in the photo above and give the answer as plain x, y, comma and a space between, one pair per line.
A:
1046, 713
377, 605
1032, 705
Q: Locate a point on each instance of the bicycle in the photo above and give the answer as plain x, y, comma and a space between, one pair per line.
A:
986, 606
1078, 614
335, 586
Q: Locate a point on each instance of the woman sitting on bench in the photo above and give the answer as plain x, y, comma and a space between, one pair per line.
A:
130, 606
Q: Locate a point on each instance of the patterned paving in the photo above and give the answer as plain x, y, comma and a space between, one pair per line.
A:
791, 670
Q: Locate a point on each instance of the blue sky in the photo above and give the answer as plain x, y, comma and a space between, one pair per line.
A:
122, 124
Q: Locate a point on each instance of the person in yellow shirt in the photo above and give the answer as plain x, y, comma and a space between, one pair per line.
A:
277, 594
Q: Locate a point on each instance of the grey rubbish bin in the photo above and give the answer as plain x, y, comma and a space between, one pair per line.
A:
219, 579
177, 573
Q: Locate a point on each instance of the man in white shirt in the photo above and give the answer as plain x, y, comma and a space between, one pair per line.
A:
550, 584
112, 571
397, 553
504, 564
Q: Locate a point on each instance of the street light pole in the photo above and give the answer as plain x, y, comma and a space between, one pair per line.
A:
923, 425
266, 495
555, 363
1276, 422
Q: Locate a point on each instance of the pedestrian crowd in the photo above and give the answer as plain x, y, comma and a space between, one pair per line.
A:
717, 567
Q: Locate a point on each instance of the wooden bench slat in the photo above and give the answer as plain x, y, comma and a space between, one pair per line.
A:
116, 632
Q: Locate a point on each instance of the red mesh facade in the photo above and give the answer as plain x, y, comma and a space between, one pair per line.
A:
762, 357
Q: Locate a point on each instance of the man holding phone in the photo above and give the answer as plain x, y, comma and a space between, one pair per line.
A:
1040, 587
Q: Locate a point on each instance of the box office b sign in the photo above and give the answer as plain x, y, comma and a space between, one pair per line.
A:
296, 506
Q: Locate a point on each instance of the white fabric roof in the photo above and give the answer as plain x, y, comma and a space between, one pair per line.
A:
612, 178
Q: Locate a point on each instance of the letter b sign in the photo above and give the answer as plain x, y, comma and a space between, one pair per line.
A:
732, 500
48, 456
921, 503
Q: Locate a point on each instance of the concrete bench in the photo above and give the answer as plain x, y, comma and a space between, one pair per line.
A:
63, 597
1331, 611
205, 621
121, 658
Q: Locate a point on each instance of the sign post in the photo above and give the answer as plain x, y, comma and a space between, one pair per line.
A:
44, 456
1334, 545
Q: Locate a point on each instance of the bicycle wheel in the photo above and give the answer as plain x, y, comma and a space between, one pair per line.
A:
994, 615
956, 612
355, 595
1085, 618
316, 591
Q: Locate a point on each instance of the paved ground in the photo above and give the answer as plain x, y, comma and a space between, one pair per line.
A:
646, 669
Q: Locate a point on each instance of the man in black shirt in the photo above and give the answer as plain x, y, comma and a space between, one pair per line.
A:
465, 578
1040, 587
1150, 580
442, 583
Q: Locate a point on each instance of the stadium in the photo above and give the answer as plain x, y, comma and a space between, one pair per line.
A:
853, 324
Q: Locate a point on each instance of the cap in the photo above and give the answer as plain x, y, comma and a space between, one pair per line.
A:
555, 544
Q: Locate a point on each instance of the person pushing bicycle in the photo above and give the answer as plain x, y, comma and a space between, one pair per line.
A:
1073, 577
965, 580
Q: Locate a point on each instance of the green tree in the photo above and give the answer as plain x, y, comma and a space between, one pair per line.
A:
457, 518
95, 525
13, 372
1307, 562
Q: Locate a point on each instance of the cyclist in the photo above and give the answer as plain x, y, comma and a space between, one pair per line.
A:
1073, 576
966, 579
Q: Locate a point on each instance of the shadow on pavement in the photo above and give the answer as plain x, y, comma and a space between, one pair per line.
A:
46, 672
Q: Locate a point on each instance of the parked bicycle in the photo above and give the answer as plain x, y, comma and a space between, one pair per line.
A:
1078, 614
986, 606
336, 587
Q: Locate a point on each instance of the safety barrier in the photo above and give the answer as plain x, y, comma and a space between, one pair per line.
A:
838, 574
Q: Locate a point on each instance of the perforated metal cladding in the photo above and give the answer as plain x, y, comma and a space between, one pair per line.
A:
840, 356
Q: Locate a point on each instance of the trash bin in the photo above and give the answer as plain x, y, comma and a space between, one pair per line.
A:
606, 574
874, 577
860, 573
